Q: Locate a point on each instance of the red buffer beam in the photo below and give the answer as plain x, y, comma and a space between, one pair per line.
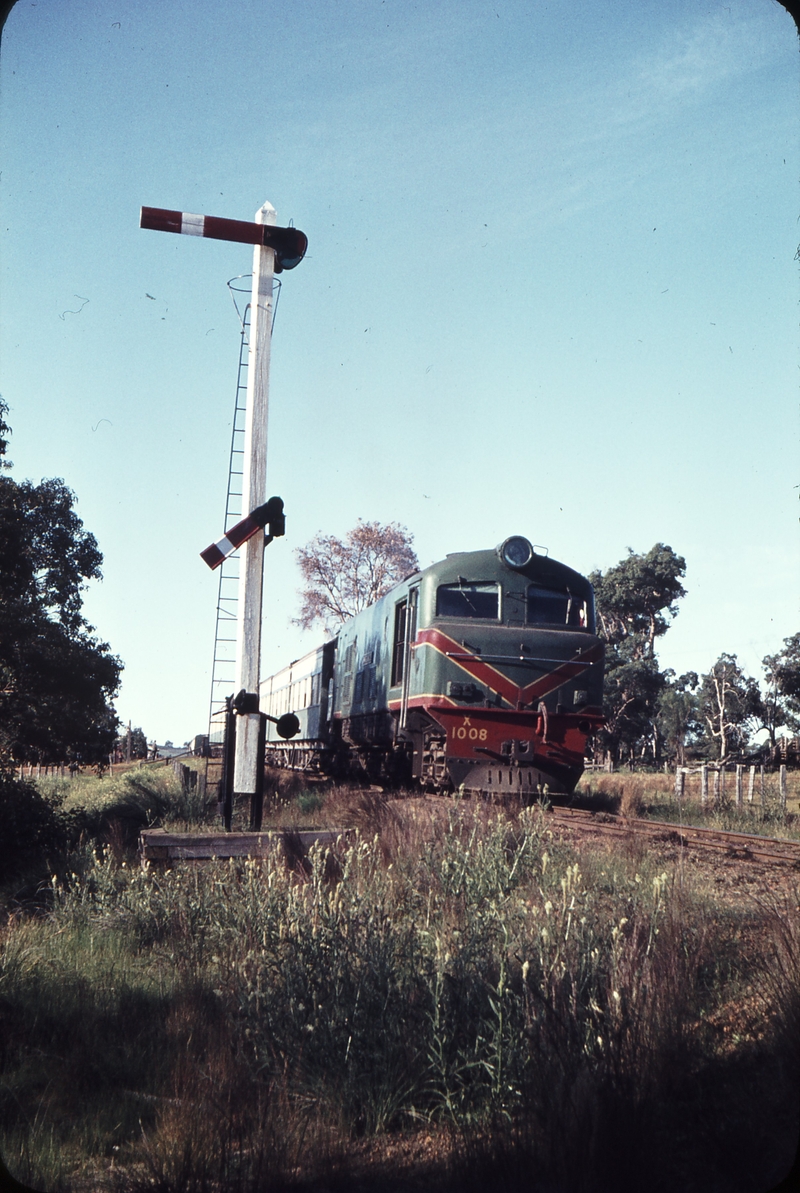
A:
290, 244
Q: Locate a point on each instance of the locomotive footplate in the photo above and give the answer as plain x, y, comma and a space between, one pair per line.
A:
508, 750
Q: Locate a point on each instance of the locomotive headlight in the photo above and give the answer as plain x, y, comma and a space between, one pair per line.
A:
516, 551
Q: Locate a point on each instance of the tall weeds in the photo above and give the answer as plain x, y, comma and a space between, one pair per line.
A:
465, 972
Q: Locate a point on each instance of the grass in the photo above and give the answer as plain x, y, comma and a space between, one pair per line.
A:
455, 975
653, 796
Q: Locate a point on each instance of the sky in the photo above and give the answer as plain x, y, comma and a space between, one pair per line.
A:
551, 289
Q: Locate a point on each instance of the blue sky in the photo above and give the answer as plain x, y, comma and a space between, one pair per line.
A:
550, 290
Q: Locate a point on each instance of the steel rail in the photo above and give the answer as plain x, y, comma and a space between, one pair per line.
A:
742, 846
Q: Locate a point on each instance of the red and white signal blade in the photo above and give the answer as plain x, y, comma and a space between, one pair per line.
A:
290, 244
162, 220
237, 535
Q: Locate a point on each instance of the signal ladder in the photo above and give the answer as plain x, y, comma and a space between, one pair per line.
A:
223, 669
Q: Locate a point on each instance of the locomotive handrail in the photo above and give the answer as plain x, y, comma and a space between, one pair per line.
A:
513, 658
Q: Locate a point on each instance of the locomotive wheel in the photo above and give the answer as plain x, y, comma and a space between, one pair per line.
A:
434, 763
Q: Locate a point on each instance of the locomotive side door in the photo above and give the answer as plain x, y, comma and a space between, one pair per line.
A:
411, 633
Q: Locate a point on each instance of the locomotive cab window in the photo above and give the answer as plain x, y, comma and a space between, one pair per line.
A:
548, 606
468, 600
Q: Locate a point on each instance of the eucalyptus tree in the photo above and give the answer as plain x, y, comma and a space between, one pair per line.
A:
729, 705
781, 699
636, 600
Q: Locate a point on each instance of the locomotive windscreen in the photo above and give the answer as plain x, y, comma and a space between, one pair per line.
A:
468, 600
547, 606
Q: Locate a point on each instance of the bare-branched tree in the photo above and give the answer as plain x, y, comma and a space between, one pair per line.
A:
342, 578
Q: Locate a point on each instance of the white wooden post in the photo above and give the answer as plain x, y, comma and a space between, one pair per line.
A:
716, 785
783, 787
254, 493
739, 784
761, 784
680, 780
704, 785
751, 784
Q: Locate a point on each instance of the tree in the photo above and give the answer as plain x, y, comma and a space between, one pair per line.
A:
138, 744
729, 703
631, 690
636, 601
342, 578
56, 678
677, 713
781, 703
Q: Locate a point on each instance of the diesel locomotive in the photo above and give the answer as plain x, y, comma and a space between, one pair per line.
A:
480, 674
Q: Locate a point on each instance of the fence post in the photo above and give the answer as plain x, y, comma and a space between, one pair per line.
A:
680, 782
716, 785
761, 785
739, 781
783, 786
704, 785
722, 782
751, 783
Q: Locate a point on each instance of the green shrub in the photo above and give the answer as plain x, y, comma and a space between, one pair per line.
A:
309, 802
34, 828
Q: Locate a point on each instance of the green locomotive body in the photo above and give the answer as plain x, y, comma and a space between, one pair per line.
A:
481, 673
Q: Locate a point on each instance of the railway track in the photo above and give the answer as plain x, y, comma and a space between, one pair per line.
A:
737, 846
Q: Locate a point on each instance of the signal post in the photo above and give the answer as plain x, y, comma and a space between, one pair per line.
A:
275, 249
254, 492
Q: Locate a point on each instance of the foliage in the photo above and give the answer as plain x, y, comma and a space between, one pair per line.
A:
120, 805
35, 828
780, 705
138, 744
631, 691
636, 601
729, 703
342, 578
678, 712
236, 1025
56, 679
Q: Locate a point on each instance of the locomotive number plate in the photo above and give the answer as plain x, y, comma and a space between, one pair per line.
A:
468, 732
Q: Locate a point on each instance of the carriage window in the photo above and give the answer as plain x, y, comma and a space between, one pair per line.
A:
546, 606
468, 600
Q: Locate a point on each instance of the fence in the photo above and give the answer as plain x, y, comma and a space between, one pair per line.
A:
684, 775
35, 771
191, 780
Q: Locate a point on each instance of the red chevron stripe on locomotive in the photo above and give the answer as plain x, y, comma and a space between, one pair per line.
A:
487, 674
